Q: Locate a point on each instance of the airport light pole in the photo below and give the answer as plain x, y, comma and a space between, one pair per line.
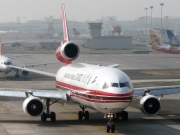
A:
151, 16
146, 20
161, 4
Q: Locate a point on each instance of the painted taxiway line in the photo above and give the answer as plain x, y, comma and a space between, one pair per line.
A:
11, 82
97, 126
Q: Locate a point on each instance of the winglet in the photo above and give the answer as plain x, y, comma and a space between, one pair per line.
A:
0, 47
65, 28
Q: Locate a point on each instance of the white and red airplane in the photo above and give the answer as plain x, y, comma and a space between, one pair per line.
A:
102, 88
6, 62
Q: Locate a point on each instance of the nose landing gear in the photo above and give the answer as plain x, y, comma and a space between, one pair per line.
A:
110, 125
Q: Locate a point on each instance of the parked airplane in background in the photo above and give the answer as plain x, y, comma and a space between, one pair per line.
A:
6, 62
102, 88
156, 44
77, 34
172, 38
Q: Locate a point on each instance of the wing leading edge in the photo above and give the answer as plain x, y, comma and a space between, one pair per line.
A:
34, 71
22, 93
157, 91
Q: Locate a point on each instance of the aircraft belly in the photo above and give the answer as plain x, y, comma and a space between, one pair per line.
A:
103, 107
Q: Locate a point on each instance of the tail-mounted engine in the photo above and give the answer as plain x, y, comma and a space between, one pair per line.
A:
33, 106
150, 105
67, 52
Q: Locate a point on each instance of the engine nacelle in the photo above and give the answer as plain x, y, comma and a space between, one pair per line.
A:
33, 106
25, 73
150, 105
67, 52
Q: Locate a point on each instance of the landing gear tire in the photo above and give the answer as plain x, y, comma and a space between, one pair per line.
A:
117, 116
47, 113
112, 128
124, 115
108, 128
43, 117
16, 76
86, 115
80, 115
53, 116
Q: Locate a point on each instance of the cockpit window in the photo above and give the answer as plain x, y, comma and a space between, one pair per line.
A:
7, 63
105, 86
122, 85
115, 85
125, 84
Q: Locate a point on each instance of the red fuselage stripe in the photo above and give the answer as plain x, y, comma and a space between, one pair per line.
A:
90, 91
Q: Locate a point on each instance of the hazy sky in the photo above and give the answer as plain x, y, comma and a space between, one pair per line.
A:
81, 10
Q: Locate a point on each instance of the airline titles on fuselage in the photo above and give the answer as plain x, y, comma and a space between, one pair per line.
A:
85, 78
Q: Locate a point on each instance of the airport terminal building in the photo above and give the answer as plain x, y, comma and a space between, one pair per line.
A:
109, 42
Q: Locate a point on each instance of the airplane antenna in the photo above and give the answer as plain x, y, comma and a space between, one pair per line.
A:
65, 28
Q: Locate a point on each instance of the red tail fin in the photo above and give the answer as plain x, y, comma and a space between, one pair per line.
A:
65, 28
75, 32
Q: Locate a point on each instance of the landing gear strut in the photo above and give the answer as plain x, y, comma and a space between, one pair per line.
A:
47, 114
110, 125
17, 74
83, 113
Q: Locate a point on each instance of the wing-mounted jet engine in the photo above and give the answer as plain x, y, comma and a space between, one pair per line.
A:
150, 105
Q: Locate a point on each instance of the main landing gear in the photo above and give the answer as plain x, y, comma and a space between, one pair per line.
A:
17, 73
83, 113
110, 127
47, 114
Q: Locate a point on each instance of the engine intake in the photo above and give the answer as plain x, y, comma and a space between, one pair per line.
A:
33, 106
67, 52
25, 73
150, 105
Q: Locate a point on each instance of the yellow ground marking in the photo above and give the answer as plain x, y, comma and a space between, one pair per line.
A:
97, 126
75, 115
11, 82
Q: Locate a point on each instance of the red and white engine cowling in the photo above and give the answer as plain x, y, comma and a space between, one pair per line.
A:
33, 106
67, 52
150, 105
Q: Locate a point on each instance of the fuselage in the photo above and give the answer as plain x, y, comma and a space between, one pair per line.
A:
105, 89
4, 64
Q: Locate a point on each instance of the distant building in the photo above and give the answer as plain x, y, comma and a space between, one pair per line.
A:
109, 42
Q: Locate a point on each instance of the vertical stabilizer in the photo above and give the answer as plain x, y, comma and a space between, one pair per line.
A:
65, 28
75, 32
172, 37
154, 39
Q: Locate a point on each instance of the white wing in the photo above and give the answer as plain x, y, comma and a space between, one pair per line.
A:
23, 93
157, 91
34, 71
